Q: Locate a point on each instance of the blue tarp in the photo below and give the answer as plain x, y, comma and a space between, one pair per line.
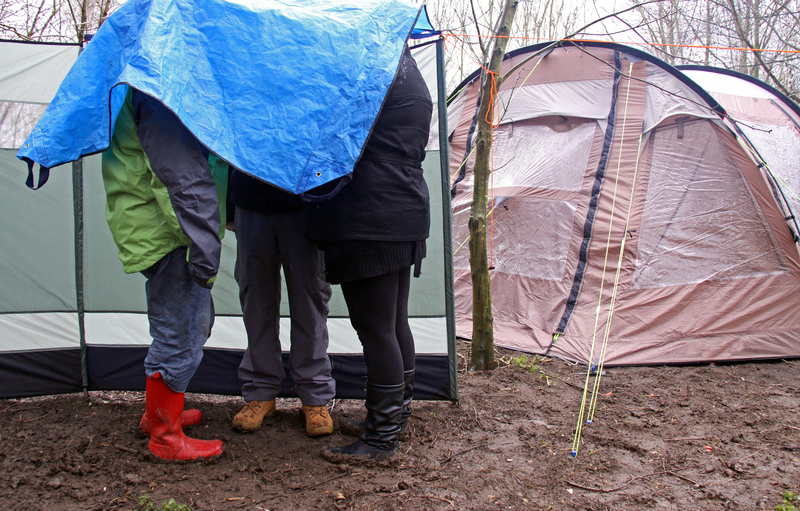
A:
285, 90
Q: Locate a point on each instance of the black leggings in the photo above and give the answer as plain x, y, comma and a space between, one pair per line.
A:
378, 308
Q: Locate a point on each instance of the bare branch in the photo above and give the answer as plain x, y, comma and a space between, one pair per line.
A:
570, 36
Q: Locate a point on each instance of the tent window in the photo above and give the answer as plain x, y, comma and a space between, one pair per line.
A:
531, 237
699, 222
551, 156
780, 147
532, 229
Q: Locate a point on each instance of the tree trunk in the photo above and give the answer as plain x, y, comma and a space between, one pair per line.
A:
482, 356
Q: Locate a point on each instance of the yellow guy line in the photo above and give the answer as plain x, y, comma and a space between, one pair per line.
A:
579, 428
599, 372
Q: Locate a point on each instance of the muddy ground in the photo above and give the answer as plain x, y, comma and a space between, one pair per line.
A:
673, 438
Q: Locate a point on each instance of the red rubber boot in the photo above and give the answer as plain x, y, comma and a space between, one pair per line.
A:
188, 418
167, 441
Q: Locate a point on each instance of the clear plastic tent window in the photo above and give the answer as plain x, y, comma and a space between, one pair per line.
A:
550, 156
697, 198
531, 237
780, 147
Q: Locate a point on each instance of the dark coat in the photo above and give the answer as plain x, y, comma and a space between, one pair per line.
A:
387, 199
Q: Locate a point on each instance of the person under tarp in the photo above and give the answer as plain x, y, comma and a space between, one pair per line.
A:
166, 210
234, 110
372, 232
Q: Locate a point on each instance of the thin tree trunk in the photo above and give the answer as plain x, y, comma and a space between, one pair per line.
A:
482, 320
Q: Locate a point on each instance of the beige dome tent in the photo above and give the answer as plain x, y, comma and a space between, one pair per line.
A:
625, 210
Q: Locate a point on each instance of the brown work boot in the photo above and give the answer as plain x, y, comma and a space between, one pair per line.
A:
253, 413
318, 420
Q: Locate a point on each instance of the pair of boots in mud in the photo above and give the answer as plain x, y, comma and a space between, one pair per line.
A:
388, 410
164, 419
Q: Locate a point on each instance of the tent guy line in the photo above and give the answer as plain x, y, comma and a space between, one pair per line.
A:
599, 365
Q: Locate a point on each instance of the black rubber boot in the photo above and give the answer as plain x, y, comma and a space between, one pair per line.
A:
382, 425
408, 396
354, 427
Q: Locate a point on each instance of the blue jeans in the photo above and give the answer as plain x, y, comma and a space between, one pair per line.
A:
181, 313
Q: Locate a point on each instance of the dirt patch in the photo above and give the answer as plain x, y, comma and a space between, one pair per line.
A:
694, 437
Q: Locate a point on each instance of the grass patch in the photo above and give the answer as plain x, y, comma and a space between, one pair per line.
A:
145, 504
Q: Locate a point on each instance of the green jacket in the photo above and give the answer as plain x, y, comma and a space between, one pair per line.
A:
149, 218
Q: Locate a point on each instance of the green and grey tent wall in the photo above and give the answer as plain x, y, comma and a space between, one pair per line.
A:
70, 319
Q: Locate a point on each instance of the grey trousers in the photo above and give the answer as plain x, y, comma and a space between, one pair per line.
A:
264, 244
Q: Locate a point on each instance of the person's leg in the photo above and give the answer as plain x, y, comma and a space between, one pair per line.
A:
405, 338
406, 341
180, 312
188, 417
308, 293
372, 305
258, 274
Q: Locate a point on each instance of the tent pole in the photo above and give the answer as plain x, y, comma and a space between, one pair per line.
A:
77, 201
447, 220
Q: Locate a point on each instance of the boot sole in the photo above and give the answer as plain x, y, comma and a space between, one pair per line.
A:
249, 427
320, 431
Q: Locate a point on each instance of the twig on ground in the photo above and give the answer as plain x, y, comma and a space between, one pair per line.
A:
304, 488
477, 419
30, 420
762, 384
633, 479
126, 449
432, 497
685, 438
217, 508
9, 407
460, 452
670, 472
749, 455
435, 437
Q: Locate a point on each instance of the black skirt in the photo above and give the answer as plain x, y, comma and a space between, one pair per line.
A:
350, 260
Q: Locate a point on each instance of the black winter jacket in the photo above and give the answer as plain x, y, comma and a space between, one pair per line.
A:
387, 199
